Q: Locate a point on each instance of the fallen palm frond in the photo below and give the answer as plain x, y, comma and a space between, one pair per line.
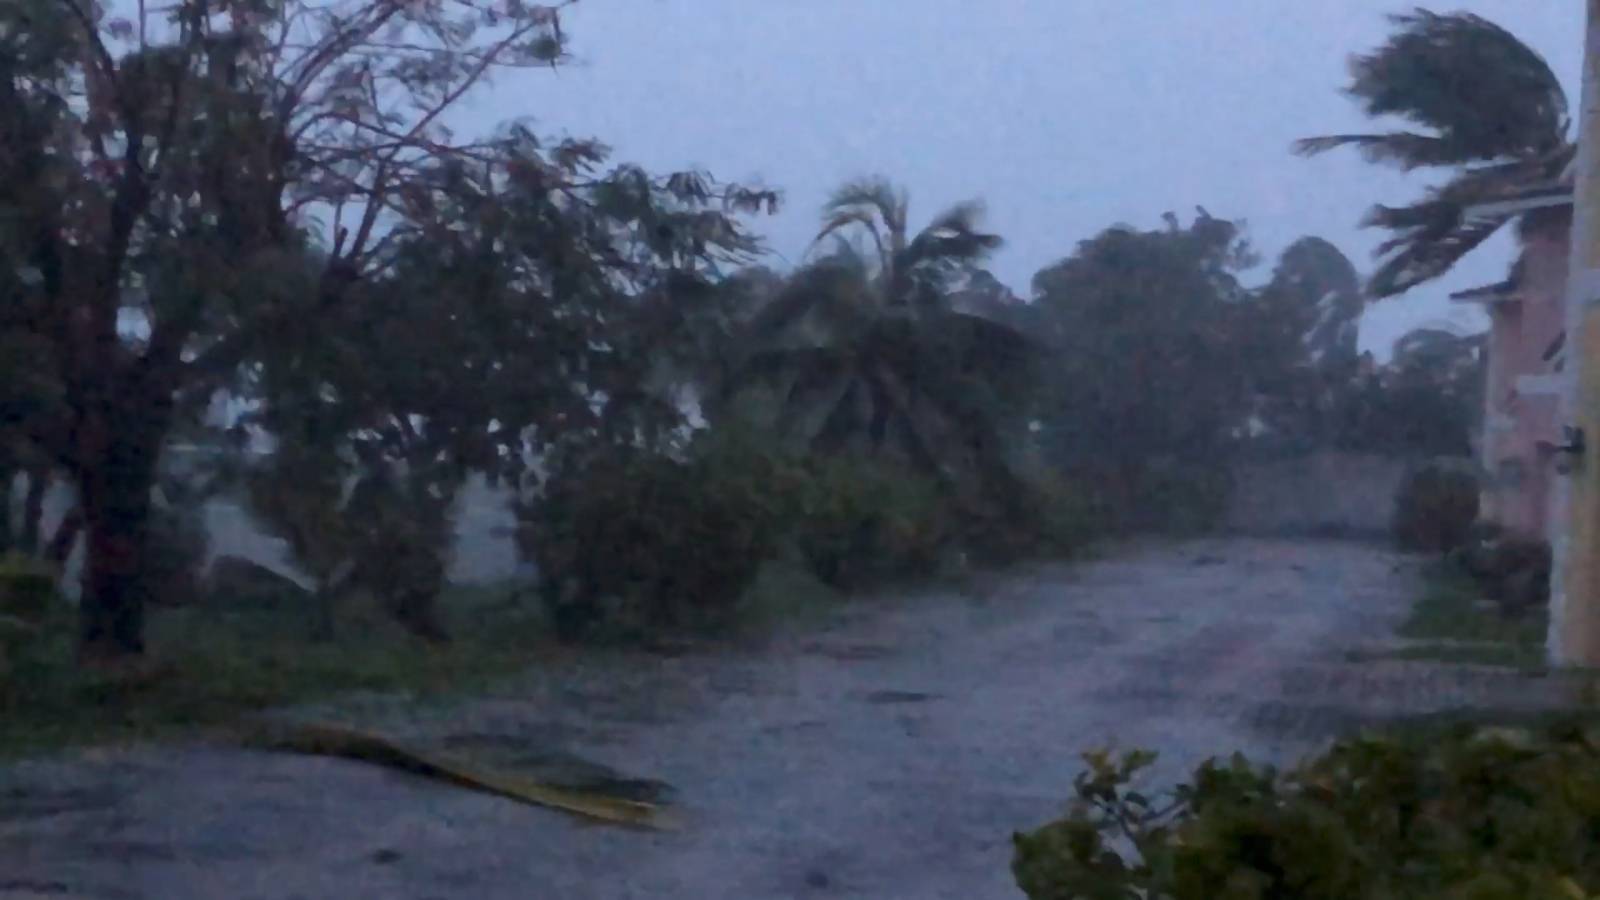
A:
350, 743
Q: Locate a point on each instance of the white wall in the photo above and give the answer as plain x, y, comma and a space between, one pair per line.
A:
483, 553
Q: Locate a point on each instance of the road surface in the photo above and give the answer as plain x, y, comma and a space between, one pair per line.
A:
887, 753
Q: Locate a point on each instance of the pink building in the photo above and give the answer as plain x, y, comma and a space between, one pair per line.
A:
1521, 417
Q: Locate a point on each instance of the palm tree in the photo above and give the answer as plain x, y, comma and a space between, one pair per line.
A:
862, 349
1485, 105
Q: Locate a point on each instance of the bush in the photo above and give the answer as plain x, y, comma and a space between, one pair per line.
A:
176, 548
862, 521
1472, 812
1513, 572
1435, 509
1049, 516
630, 542
27, 589
28, 601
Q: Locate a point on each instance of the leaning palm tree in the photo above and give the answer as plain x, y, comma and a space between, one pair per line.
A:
1483, 104
862, 350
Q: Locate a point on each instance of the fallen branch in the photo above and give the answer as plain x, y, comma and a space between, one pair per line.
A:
349, 743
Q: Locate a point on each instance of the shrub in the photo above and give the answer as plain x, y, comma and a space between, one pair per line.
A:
1050, 516
863, 521
28, 601
1513, 572
1466, 812
630, 542
1435, 509
176, 549
27, 589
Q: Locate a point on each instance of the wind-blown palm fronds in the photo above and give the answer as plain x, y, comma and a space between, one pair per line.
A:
1479, 101
862, 350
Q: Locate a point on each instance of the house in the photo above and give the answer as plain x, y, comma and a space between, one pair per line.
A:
1527, 311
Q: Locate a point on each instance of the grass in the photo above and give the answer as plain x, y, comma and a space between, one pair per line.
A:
215, 665
1451, 623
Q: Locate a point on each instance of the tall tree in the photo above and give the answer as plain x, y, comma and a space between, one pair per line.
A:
162, 168
865, 351
1426, 402
1314, 303
527, 307
1153, 340
1484, 106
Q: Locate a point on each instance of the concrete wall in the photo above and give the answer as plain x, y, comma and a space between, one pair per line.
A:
1328, 492
484, 551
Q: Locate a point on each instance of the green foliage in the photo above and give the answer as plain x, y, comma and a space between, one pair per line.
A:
29, 602
1426, 402
1308, 318
1048, 516
1456, 620
1469, 812
1512, 571
27, 589
629, 542
862, 521
1154, 339
1434, 509
1483, 103
212, 665
863, 351
175, 553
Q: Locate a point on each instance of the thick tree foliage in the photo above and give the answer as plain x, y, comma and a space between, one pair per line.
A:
1150, 339
864, 349
1313, 305
185, 192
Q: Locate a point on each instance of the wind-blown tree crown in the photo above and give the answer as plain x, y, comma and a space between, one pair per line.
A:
1476, 99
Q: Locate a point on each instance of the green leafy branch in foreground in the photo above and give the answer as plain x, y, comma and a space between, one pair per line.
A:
1475, 813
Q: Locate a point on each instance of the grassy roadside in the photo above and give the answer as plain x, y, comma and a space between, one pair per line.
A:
210, 666
1452, 623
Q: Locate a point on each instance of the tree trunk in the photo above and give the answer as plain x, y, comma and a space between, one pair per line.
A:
115, 497
65, 538
8, 476
111, 611
33, 510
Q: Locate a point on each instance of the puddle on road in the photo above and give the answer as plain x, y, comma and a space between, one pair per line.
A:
888, 697
849, 652
21, 803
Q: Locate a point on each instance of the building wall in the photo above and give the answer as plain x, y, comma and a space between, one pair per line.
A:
1521, 397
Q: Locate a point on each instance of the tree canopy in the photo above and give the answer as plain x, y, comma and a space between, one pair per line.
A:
1480, 103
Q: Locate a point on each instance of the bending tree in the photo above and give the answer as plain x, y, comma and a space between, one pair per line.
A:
161, 170
1156, 352
865, 351
1486, 107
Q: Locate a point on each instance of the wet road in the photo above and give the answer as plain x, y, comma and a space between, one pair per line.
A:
888, 753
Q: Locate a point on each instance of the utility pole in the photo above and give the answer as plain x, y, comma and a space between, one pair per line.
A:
1574, 638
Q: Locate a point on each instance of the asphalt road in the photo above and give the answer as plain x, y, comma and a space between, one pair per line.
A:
887, 753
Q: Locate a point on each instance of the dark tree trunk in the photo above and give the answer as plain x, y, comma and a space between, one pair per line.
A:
8, 476
115, 493
33, 510
65, 538
111, 611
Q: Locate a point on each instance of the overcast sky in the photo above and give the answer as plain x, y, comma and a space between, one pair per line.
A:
1064, 116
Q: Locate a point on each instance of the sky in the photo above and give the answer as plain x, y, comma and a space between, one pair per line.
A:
1063, 116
